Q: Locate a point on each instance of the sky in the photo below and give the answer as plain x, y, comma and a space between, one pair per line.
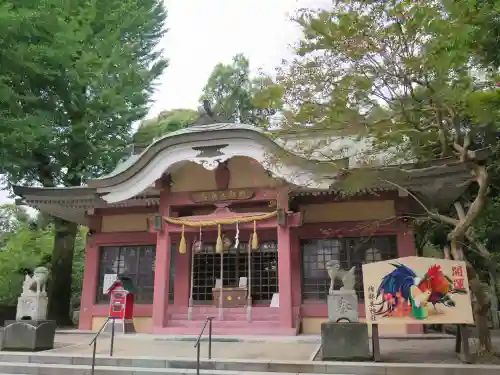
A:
203, 33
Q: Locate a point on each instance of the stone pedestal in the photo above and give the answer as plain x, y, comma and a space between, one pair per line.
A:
29, 335
343, 306
345, 342
32, 307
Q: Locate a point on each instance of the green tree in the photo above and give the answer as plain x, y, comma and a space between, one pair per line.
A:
23, 251
236, 96
165, 122
78, 267
482, 18
11, 216
74, 77
403, 77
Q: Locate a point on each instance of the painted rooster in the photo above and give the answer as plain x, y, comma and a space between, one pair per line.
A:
395, 288
440, 286
403, 286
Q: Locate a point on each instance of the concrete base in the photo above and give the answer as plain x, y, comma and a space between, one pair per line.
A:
345, 342
29, 335
121, 326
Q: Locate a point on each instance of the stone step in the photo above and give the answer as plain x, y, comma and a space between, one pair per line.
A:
227, 316
223, 330
52, 369
226, 323
213, 310
261, 314
64, 364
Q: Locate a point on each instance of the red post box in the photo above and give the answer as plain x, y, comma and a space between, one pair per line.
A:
121, 305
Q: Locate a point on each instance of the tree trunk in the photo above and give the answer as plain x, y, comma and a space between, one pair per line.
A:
492, 272
493, 297
59, 289
481, 308
480, 300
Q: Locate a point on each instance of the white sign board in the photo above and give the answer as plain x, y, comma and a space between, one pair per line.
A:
243, 282
218, 283
109, 279
275, 301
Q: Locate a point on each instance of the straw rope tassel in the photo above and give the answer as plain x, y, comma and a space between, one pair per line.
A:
182, 244
219, 247
225, 221
255, 238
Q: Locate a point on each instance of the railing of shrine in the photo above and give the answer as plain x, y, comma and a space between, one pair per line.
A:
94, 342
197, 344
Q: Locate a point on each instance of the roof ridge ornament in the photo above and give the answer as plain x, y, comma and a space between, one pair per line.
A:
207, 115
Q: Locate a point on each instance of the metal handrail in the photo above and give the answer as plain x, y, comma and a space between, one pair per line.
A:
197, 344
94, 341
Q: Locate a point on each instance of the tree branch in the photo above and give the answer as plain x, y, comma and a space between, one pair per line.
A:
481, 174
432, 215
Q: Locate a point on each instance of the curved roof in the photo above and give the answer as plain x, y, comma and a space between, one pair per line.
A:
216, 133
188, 130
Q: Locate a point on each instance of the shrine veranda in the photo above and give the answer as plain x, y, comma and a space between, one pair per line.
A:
169, 218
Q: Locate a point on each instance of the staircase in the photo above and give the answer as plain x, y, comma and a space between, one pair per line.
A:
265, 321
61, 364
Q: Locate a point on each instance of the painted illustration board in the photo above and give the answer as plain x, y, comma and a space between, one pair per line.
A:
417, 290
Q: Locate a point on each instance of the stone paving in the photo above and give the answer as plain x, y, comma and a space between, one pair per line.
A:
437, 350
423, 351
143, 346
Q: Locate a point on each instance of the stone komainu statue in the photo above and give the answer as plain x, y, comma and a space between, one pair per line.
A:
38, 282
348, 278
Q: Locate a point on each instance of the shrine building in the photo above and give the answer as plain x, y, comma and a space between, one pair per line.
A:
204, 214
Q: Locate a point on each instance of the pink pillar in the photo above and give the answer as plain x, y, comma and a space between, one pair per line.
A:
162, 268
296, 270
89, 288
284, 265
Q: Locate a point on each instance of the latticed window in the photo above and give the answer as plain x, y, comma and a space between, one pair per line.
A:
136, 262
349, 252
207, 267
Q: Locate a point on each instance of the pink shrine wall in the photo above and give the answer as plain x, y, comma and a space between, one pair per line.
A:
154, 316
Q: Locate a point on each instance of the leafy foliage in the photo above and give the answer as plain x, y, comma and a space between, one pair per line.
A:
74, 77
24, 250
233, 95
416, 80
237, 97
166, 122
398, 72
11, 218
78, 267
27, 244
481, 17
79, 76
